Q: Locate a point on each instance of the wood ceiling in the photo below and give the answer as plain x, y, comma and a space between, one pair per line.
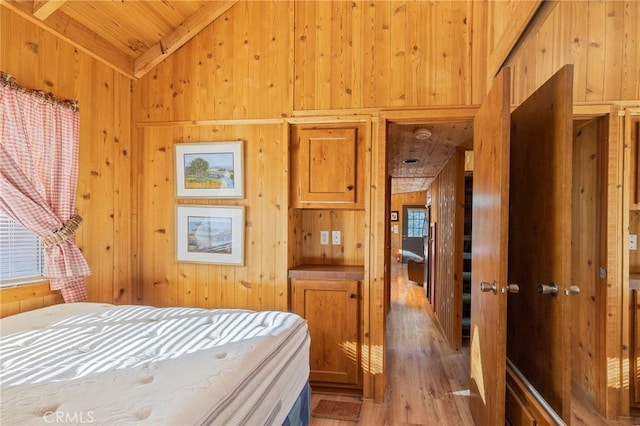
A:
130, 36
432, 153
134, 36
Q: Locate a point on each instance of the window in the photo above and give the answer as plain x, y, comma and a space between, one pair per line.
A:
416, 222
21, 254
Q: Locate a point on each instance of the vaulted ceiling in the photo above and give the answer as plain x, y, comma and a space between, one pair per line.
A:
134, 36
130, 36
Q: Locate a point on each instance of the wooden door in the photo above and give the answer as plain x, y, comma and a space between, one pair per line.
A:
522, 206
489, 247
331, 308
413, 232
539, 325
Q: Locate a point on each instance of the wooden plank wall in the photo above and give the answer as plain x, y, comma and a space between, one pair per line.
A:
262, 282
354, 54
449, 199
239, 67
26, 298
584, 248
601, 39
350, 223
350, 59
41, 61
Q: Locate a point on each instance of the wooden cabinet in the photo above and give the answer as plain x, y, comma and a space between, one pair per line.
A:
634, 367
327, 166
634, 157
332, 310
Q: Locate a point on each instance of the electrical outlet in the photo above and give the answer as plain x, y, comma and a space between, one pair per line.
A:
324, 238
335, 238
633, 242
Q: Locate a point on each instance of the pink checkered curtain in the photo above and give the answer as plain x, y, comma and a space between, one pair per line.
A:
38, 179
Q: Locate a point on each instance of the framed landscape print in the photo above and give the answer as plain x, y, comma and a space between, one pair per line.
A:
210, 234
210, 170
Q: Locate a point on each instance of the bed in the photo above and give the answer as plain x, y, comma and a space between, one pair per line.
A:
117, 365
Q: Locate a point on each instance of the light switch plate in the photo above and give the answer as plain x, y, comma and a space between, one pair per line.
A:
324, 238
633, 242
335, 238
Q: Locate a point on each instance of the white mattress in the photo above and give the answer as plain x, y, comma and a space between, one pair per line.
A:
103, 364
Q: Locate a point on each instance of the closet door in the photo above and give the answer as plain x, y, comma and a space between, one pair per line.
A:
522, 241
490, 212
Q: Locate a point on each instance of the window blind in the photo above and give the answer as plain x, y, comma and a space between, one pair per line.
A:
21, 254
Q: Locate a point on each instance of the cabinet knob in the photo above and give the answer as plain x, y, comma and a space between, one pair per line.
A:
352, 296
350, 188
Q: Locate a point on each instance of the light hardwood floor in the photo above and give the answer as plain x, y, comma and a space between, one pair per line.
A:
427, 382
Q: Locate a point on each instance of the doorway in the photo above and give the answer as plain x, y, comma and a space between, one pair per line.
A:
414, 230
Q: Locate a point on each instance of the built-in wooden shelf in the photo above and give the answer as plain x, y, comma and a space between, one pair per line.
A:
328, 272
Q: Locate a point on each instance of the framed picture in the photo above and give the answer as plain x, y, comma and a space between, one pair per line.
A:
210, 234
209, 170
394, 216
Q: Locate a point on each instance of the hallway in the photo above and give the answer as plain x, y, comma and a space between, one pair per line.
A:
427, 382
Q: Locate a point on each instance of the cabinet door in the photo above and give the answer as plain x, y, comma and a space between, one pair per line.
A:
325, 163
331, 309
634, 373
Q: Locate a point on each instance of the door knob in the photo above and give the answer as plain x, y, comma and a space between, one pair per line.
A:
511, 288
352, 296
550, 289
573, 290
486, 287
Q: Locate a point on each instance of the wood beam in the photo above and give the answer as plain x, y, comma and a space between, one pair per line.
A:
523, 14
181, 35
62, 26
42, 9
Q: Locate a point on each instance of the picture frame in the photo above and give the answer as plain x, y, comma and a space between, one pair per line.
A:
210, 169
394, 215
210, 234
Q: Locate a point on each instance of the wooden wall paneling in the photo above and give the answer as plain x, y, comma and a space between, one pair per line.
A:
613, 339
449, 242
376, 263
596, 52
14, 300
400, 50
351, 225
614, 21
443, 79
461, 52
479, 30
229, 70
261, 283
631, 65
599, 38
578, 48
156, 216
304, 48
121, 292
585, 237
384, 54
